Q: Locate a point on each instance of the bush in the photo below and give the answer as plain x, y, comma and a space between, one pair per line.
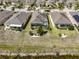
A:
13, 8
70, 27
40, 30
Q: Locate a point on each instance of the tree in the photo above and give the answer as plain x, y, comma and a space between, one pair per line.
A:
76, 6
40, 30
33, 6
4, 6
70, 5
1, 3
54, 6
19, 5
13, 8
61, 6
9, 3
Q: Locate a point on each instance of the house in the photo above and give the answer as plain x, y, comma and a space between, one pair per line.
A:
40, 20
22, 1
40, 2
29, 2
39, 24
18, 21
5, 15
60, 19
51, 1
9, 0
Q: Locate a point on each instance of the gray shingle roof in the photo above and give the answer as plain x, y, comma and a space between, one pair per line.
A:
41, 18
38, 0
74, 13
76, 16
51, 1
30, 1
19, 19
4, 15
60, 18
23, 1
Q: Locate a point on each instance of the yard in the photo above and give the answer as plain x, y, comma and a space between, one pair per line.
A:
14, 41
69, 33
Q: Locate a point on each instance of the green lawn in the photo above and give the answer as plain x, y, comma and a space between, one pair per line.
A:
55, 32
70, 33
28, 25
36, 49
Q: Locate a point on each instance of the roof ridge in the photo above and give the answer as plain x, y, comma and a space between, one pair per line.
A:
12, 17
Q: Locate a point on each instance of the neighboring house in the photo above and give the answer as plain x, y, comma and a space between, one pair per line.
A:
60, 19
40, 2
51, 1
39, 24
4, 16
1, 1
75, 16
10, 0
23, 1
18, 21
40, 20
61, 1
54, 1
29, 2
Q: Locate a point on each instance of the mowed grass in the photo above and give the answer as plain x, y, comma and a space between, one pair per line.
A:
40, 44
36, 49
8, 47
28, 24
27, 29
52, 27
69, 33
56, 32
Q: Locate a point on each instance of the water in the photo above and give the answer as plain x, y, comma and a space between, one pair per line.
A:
40, 57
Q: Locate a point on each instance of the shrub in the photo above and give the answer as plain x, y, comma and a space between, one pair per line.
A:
70, 27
